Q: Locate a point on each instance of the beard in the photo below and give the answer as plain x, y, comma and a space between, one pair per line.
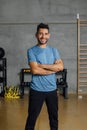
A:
41, 42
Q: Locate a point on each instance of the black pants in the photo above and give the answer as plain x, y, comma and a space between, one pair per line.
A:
36, 100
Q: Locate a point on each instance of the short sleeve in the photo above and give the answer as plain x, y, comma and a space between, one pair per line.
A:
56, 54
31, 57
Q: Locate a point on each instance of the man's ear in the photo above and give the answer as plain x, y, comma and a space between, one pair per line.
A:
49, 35
36, 34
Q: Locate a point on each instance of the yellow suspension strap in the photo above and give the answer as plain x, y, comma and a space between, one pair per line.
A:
12, 92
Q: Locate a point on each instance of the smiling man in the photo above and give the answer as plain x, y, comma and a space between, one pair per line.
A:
44, 62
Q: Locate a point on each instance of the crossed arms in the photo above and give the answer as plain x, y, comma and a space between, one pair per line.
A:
46, 69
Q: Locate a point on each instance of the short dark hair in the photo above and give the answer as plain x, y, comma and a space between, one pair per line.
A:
42, 25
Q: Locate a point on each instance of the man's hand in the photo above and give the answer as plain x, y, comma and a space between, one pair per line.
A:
60, 64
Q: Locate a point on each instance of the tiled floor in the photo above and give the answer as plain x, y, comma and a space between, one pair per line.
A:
72, 114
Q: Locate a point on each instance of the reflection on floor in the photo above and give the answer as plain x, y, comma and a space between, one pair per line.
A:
72, 114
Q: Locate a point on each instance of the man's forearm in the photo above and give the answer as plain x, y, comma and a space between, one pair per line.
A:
57, 66
41, 71
52, 67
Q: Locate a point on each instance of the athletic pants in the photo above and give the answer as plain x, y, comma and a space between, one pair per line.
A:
36, 100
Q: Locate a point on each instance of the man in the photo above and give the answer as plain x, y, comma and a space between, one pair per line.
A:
44, 62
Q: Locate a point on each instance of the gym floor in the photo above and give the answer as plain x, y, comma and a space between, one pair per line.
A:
72, 114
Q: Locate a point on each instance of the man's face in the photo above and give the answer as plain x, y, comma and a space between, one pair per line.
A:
42, 36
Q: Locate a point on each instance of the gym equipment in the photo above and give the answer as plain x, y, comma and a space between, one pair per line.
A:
3, 71
2, 52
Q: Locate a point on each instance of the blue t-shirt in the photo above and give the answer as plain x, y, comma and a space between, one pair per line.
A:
40, 55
